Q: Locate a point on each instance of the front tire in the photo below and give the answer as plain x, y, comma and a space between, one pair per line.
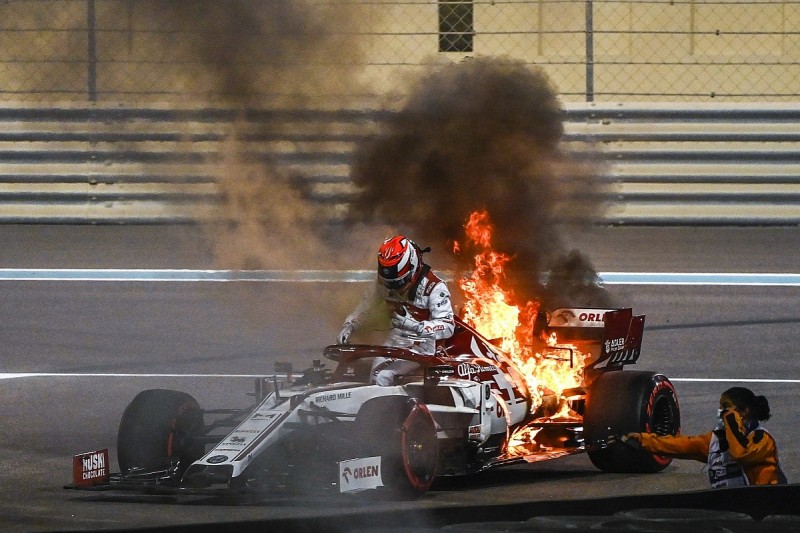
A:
158, 428
621, 402
402, 431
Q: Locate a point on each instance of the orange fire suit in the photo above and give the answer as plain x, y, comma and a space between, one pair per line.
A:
726, 452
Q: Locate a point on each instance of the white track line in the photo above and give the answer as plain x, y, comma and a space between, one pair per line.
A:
19, 375
699, 278
184, 275
318, 276
726, 380
120, 375
361, 276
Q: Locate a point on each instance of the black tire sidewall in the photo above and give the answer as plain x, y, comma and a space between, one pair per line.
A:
157, 428
381, 428
419, 425
622, 402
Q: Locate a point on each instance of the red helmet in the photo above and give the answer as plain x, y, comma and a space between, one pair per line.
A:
398, 262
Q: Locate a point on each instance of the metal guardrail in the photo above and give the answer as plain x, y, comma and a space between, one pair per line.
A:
736, 164
669, 164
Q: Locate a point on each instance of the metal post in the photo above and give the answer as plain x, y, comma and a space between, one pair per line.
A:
589, 52
91, 52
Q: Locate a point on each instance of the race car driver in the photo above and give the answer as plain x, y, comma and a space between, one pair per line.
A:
739, 451
417, 299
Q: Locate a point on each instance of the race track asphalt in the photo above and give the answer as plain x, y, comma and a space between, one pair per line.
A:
208, 338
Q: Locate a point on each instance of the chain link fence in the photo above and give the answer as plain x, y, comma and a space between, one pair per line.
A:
122, 51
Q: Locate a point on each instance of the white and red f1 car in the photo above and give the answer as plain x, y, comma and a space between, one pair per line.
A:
466, 409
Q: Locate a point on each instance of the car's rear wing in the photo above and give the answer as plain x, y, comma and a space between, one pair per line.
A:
617, 332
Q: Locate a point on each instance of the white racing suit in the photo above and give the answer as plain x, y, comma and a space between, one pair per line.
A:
421, 316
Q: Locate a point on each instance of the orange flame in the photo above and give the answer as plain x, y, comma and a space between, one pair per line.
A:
489, 308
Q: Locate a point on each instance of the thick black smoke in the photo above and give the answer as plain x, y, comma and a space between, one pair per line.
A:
482, 134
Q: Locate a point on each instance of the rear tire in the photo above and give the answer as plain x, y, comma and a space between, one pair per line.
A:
402, 431
158, 428
621, 402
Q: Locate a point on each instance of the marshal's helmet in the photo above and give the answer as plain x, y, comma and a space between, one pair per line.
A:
399, 262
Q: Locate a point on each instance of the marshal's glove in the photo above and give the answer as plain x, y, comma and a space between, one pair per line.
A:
722, 416
344, 335
630, 439
406, 323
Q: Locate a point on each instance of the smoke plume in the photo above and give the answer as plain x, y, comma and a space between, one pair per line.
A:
265, 51
264, 55
482, 134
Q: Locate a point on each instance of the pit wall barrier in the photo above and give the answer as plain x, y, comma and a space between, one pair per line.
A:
765, 509
667, 164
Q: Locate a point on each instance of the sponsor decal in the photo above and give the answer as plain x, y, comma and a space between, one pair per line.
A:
235, 441
618, 353
429, 288
580, 318
217, 459
474, 432
90, 468
322, 398
435, 373
615, 344
561, 317
470, 371
360, 474
591, 317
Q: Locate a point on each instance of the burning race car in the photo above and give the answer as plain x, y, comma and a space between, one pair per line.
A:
470, 407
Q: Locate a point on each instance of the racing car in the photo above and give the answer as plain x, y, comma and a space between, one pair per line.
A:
466, 409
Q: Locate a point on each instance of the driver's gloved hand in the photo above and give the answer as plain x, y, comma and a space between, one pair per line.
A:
344, 335
406, 323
